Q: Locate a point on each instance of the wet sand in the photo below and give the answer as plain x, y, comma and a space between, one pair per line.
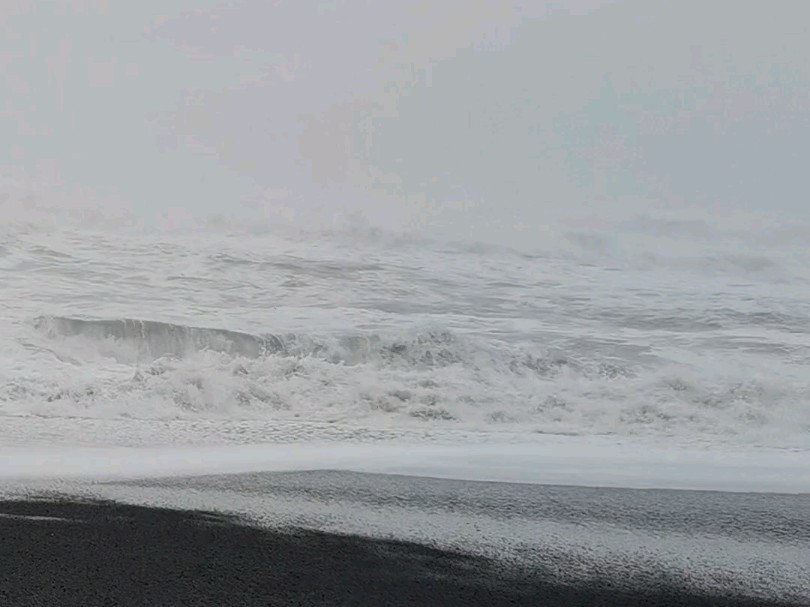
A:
72, 551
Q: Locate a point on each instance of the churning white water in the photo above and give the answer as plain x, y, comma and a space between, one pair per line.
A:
589, 334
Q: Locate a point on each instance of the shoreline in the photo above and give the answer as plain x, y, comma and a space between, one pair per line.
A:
332, 537
103, 552
554, 460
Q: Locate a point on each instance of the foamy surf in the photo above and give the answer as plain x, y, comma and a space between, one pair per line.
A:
130, 325
577, 461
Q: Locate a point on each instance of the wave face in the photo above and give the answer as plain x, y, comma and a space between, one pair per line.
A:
152, 339
397, 333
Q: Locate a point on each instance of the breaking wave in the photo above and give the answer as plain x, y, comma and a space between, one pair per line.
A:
132, 341
153, 339
148, 369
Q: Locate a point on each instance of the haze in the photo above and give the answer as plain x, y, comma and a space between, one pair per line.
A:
492, 120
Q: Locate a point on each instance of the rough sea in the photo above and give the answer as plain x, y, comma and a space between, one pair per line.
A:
669, 330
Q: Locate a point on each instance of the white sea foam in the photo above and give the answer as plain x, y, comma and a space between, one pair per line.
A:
362, 327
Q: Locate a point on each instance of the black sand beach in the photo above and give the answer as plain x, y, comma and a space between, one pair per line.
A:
100, 552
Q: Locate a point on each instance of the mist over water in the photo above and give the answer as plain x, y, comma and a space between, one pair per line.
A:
502, 122
368, 328
582, 218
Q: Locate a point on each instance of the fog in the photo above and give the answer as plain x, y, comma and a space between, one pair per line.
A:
494, 120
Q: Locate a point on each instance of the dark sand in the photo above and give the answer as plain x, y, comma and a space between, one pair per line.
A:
102, 553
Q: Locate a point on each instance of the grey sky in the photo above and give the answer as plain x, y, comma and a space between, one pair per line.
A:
485, 118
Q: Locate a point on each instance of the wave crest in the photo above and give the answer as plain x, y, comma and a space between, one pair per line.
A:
157, 339
145, 340
150, 369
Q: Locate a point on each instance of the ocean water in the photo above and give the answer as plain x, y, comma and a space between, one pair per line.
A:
657, 331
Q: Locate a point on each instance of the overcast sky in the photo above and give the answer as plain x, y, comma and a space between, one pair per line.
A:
485, 118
